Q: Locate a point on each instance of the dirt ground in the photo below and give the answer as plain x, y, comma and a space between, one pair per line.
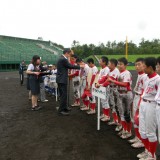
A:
43, 135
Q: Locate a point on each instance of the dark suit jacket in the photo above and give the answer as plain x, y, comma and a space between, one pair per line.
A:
62, 69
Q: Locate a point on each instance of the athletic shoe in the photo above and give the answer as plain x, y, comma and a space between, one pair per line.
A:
121, 133
102, 116
46, 100
138, 144
112, 123
143, 154
84, 108
118, 128
134, 140
149, 157
75, 105
91, 111
105, 119
126, 135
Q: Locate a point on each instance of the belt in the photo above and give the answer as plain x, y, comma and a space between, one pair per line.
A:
113, 86
145, 100
137, 94
122, 91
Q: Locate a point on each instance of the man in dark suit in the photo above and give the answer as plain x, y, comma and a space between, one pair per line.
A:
62, 78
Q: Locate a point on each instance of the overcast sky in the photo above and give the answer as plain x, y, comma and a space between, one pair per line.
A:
87, 21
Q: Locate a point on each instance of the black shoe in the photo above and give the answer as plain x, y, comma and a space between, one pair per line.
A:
63, 113
68, 109
36, 108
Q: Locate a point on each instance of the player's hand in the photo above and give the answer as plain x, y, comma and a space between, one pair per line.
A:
109, 79
37, 73
97, 85
82, 65
88, 88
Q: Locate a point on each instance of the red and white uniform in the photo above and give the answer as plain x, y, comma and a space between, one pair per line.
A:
157, 99
83, 75
94, 71
125, 99
147, 113
114, 74
102, 74
75, 74
138, 89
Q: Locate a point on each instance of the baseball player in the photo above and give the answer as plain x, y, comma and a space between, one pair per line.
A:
92, 101
147, 112
125, 97
114, 74
83, 81
75, 75
157, 99
139, 88
102, 74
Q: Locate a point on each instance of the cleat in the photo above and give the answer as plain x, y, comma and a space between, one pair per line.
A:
142, 155
105, 119
138, 144
112, 123
148, 157
118, 128
126, 135
134, 140
85, 108
102, 116
91, 111
75, 105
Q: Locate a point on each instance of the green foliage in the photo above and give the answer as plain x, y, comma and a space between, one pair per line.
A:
145, 47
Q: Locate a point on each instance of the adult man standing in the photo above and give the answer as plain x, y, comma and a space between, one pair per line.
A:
62, 78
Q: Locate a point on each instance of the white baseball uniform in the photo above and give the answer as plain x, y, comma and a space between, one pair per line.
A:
76, 83
94, 71
138, 89
157, 99
113, 89
104, 72
83, 75
147, 113
125, 94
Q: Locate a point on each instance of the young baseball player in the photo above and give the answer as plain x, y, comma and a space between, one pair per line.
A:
83, 81
157, 99
92, 100
139, 88
124, 83
112, 92
147, 112
105, 103
75, 75
114, 74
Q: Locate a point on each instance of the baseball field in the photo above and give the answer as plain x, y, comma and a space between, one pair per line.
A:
43, 135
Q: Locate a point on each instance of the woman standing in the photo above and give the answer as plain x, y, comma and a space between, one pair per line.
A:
33, 72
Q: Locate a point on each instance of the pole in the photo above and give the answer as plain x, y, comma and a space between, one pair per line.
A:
126, 47
98, 116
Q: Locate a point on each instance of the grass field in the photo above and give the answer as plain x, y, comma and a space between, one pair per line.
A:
131, 58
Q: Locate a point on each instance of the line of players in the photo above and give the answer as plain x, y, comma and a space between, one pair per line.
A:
142, 110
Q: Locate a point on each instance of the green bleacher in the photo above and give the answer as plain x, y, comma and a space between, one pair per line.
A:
13, 50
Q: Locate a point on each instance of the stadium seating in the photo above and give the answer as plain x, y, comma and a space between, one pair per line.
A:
13, 50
